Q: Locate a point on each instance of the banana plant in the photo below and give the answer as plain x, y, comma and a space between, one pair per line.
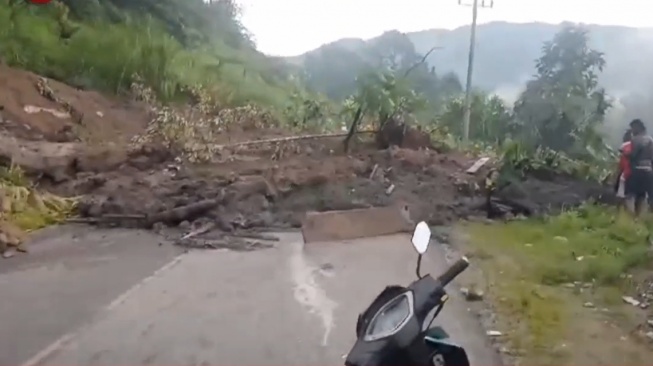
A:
380, 95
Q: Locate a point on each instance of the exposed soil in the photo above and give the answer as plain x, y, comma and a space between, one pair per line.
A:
259, 192
93, 115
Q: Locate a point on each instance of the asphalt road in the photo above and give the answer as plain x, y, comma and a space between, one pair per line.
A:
86, 297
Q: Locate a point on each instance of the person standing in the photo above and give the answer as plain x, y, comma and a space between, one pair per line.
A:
624, 172
639, 183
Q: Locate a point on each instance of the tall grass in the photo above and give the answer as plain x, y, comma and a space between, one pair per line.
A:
542, 271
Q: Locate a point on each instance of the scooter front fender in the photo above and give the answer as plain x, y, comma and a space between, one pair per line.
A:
439, 343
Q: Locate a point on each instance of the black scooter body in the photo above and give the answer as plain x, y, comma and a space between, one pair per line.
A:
410, 346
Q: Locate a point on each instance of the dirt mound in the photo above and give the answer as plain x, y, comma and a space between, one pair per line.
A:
259, 192
543, 194
36, 108
55, 131
262, 187
395, 132
62, 161
272, 185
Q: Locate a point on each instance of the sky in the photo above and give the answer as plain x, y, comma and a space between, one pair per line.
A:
292, 27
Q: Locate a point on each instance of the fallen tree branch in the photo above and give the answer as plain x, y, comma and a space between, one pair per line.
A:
84, 220
252, 236
184, 213
170, 217
106, 219
199, 231
376, 166
123, 217
288, 138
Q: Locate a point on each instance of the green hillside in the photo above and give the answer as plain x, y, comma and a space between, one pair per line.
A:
172, 44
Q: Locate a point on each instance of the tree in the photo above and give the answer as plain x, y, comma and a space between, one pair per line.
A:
563, 105
382, 95
393, 50
493, 121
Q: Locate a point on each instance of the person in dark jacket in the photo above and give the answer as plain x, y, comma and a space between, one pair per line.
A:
640, 182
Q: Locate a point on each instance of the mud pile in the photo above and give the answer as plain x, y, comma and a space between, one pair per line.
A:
252, 191
539, 194
54, 131
40, 109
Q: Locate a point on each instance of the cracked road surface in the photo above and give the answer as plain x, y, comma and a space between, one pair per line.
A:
92, 297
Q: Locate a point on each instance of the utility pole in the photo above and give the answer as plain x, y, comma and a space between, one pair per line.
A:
470, 65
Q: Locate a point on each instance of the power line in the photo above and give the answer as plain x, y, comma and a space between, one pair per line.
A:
470, 64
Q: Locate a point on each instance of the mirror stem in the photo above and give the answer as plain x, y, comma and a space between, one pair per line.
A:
419, 265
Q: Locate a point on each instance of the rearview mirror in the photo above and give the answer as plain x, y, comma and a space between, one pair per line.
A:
421, 237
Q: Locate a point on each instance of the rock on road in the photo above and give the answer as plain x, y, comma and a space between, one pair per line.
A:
91, 297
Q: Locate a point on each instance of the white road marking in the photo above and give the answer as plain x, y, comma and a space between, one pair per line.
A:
68, 338
308, 293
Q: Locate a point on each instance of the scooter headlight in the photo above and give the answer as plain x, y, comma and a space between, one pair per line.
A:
390, 318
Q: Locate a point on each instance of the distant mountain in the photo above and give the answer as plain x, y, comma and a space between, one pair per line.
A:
333, 68
505, 54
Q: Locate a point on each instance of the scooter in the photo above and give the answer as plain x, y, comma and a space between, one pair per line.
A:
394, 331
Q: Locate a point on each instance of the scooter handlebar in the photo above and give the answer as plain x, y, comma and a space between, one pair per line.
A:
453, 271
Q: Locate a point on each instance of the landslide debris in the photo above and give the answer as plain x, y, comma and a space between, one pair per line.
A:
138, 163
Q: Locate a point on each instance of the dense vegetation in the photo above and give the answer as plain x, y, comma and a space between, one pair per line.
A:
504, 61
171, 44
555, 122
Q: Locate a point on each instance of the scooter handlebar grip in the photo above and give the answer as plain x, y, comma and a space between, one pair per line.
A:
453, 271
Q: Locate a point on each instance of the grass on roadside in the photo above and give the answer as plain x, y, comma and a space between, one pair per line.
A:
527, 262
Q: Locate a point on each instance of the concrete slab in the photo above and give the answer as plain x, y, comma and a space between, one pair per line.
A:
354, 224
